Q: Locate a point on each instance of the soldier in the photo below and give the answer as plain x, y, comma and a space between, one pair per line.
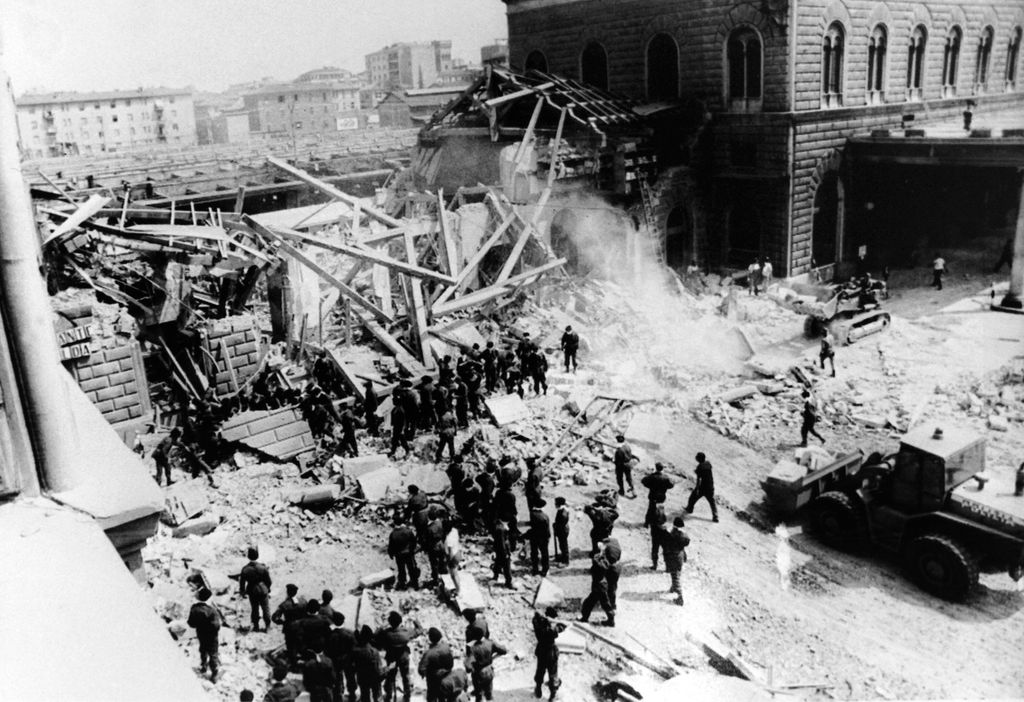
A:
434, 543
370, 404
489, 356
525, 346
446, 436
613, 557
506, 510
326, 610
254, 582
546, 628
311, 631
561, 531
475, 619
453, 686
502, 552
467, 505
318, 675
534, 489
658, 484
460, 393
394, 641
428, 417
291, 608
656, 520
674, 544
598, 590
810, 418
398, 421
537, 366
480, 655
485, 479
348, 443
206, 619
282, 689
705, 487
436, 659
540, 535
416, 502
340, 646
441, 399
366, 661
163, 454
570, 345
402, 547
624, 465
506, 360
602, 516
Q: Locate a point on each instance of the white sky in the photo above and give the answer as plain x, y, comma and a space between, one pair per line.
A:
125, 44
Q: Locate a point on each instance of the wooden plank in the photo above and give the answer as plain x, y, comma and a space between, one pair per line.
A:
553, 162
463, 278
60, 191
240, 199
528, 136
541, 204
405, 360
328, 189
451, 255
88, 209
494, 102
419, 316
346, 374
486, 294
514, 254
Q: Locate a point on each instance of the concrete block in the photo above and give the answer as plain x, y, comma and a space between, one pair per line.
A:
376, 484
290, 447
869, 420
381, 577
348, 605
126, 364
197, 526
547, 595
355, 467
997, 422
218, 580
82, 372
122, 377
110, 393
319, 496
118, 415
470, 594
105, 406
184, 500
507, 409
648, 429
126, 401
135, 411
571, 641
737, 394
427, 477
94, 384
105, 369
117, 353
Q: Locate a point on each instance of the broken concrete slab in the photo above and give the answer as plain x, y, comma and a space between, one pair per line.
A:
367, 613
997, 422
507, 409
868, 420
648, 429
184, 500
470, 595
318, 496
770, 387
547, 595
737, 394
360, 465
197, 526
381, 577
377, 484
427, 478
349, 607
571, 641
217, 580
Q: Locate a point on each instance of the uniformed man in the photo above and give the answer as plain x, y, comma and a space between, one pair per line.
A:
291, 608
318, 675
410, 404
809, 415
433, 543
163, 454
537, 367
453, 686
206, 619
489, 356
370, 404
416, 502
398, 422
340, 646
254, 582
326, 609
467, 505
348, 445
624, 465
446, 436
546, 628
456, 473
436, 659
460, 394
674, 543
561, 531
525, 346
656, 521
613, 557
827, 352
658, 484
502, 551
427, 415
705, 487
598, 590
402, 547
394, 640
480, 655
366, 661
485, 479
570, 345
602, 517
540, 535
281, 689
534, 478
311, 631
475, 619
445, 372
506, 510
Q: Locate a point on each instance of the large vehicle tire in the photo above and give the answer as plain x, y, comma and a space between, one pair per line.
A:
837, 521
941, 566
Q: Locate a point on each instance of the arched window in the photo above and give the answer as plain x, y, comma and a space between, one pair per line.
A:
915, 62
1012, 57
981, 64
743, 69
951, 61
662, 68
877, 45
594, 66
536, 61
832, 66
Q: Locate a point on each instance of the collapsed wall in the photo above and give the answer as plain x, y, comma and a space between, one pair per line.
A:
232, 351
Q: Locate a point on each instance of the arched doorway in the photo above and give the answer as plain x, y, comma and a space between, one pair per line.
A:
825, 235
679, 237
536, 61
744, 228
594, 66
662, 68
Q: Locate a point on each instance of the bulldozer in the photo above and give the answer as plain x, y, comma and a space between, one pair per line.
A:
849, 311
929, 502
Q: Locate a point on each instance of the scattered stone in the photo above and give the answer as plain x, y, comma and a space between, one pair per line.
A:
217, 580
871, 420
177, 628
184, 500
997, 422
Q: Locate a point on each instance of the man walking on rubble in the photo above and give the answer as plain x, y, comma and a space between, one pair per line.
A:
436, 659
546, 628
506, 510
206, 619
398, 421
534, 488
480, 655
433, 543
602, 517
282, 689
348, 445
402, 547
427, 415
540, 536
658, 484
809, 414
827, 352
370, 404
340, 646
537, 367
254, 582
446, 436
503, 550
599, 569
570, 345
394, 641
485, 479
705, 487
561, 532
460, 395
489, 357
674, 542
454, 686
318, 675
164, 452
624, 466
366, 661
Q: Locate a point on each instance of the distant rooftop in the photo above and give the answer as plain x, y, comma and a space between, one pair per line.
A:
324, 74
102, 96
305, 86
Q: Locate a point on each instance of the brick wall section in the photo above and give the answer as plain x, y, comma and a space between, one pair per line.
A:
241, 336
281, 433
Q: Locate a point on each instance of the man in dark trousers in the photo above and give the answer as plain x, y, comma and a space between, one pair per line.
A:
206, 619
570, 345
282, 689
312, 631
485, 479
624, 465
467, 505
453, 686
456, 473
366, 661
598, 590
475, 619
398, 422
318, 675
506, 510
809, 415
561, 531
613, 557
326, 609
394, 640
402, 547
656, 520
540, 535
480, 655
291, 608
427, 415
705, 487
502, 552
348, 445
436, 659
602, 516
433, 543
534, 488
407, 397
441, 398
254, 582
537, 367
417, 501
489, 356
340, 646
658, 484
546, 628
460, 397
827, 352
674, 543
164, 453
370, 404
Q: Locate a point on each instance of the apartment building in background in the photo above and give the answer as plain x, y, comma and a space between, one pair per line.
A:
409, 64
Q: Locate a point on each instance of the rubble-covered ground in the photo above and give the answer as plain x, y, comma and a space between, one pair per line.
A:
839, 626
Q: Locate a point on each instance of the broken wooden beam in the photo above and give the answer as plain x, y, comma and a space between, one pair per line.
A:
486, 294
463, 278
419, 311
403, 357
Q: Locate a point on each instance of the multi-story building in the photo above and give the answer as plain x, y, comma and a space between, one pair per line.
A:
409, 64
495, 54
829, 125
61, 124
305, 108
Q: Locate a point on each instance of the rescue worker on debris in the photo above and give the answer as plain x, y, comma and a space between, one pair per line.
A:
456, 474
537, 367
674, 542
480, 655
453, 555
348, 445
506, 359
809, 415
475, 619
370, 404
561, 531
402, 547
282, 689
416, 502
526, 345
454, 686
318, 409
311, 631
206, 619
503, 551
602, 516
546, 628
514, 378
827, 352
570, 345
427, 415
658, 484
164, 453
1018, 483
318, 675
534, 488
326, 609
485, 479
705, 487
467, 505
412, 409
509, 472
254, 582
624, 465
446, 435
291, 608
599, 568
394, 640
434, 543
366, 661
340, 646
435, 660
540, 535
398, 422
460, 394
656, 520
441, 399
506, 510
613, 556
489, 357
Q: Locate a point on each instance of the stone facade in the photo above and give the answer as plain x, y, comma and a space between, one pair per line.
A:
776, 137
239, 337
